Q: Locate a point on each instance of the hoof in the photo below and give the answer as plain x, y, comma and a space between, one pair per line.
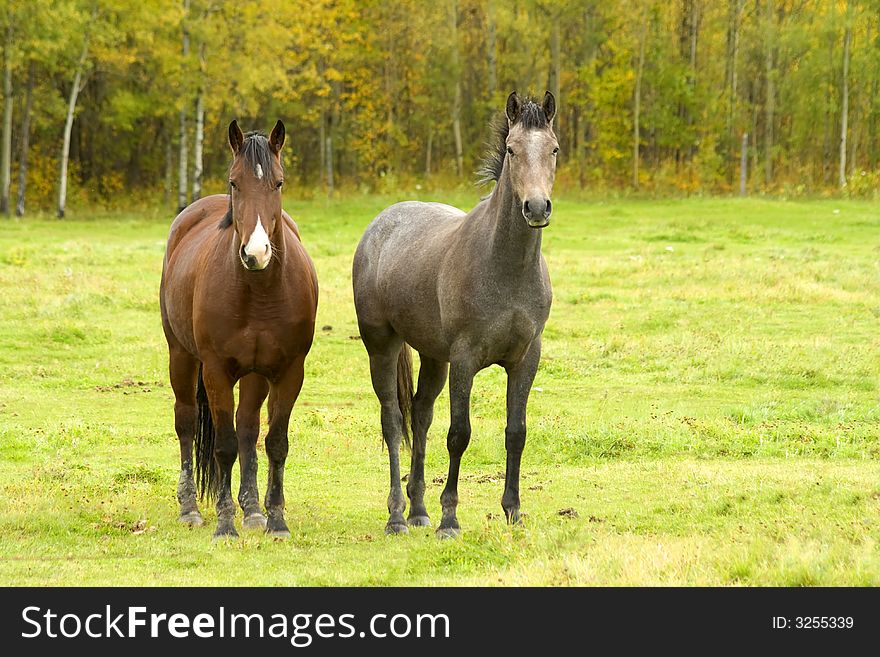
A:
254, 521
396, 528
193, 519
276, 527
514, 517
419, 521
448, 532
225, 534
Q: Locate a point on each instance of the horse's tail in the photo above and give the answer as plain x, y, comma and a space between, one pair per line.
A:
206, 470
405, 389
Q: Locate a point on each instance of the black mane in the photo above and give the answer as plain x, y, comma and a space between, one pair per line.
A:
531, 117
255, 151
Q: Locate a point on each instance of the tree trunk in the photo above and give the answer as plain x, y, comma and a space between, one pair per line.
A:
733, 28
456, 106
198, 164
555, 69
322, 145
6, 159
329, 165
637, 104
428, 151
755, 139
25, 139
68, 126
852, 160
169, 167
844, 102
743, 164
183, 160
770, 100
828, 132
491, 48
689, 27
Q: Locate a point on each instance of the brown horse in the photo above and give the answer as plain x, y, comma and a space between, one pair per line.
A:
238, 300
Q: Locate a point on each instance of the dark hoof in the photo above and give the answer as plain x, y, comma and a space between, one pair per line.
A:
276, 527
396, 528
448, 532
254, 521
514, 517
419, 521
193, 519
225, 533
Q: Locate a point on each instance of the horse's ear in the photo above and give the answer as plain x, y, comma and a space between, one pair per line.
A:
276, 139
514, 105
549, 106
236, 137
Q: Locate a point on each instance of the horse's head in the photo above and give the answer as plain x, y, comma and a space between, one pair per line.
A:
531, 155
255, 180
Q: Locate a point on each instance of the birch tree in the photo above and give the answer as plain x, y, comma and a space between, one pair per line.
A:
75, 88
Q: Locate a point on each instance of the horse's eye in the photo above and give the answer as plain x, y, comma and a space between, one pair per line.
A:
556, 150
233, 185
509, 150
279, 184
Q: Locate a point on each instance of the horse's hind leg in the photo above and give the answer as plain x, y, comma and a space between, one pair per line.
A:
183, 370
283, 395
384, 349
432, 378
253, 389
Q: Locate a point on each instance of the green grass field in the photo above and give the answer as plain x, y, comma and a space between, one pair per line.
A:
707, 406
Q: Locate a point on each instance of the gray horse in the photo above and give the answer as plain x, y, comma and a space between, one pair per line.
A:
466, 291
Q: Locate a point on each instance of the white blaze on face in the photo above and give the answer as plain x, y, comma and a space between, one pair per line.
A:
258, 245
259, 172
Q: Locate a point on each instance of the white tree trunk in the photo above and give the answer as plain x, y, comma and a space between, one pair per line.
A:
25, 140
198, 165
198, 147
6, 160
68, 127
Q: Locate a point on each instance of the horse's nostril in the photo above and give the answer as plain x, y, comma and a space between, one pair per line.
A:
526, 209
548, 209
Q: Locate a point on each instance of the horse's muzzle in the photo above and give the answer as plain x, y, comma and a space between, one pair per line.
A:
537, 212
250, 262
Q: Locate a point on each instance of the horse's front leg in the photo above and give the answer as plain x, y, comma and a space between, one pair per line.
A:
284, 392
461, 380
253, 389
218, 386
519, 383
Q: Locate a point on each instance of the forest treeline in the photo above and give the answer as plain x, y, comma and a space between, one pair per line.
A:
110, 99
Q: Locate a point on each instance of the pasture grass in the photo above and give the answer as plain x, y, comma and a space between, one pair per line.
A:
706, 411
